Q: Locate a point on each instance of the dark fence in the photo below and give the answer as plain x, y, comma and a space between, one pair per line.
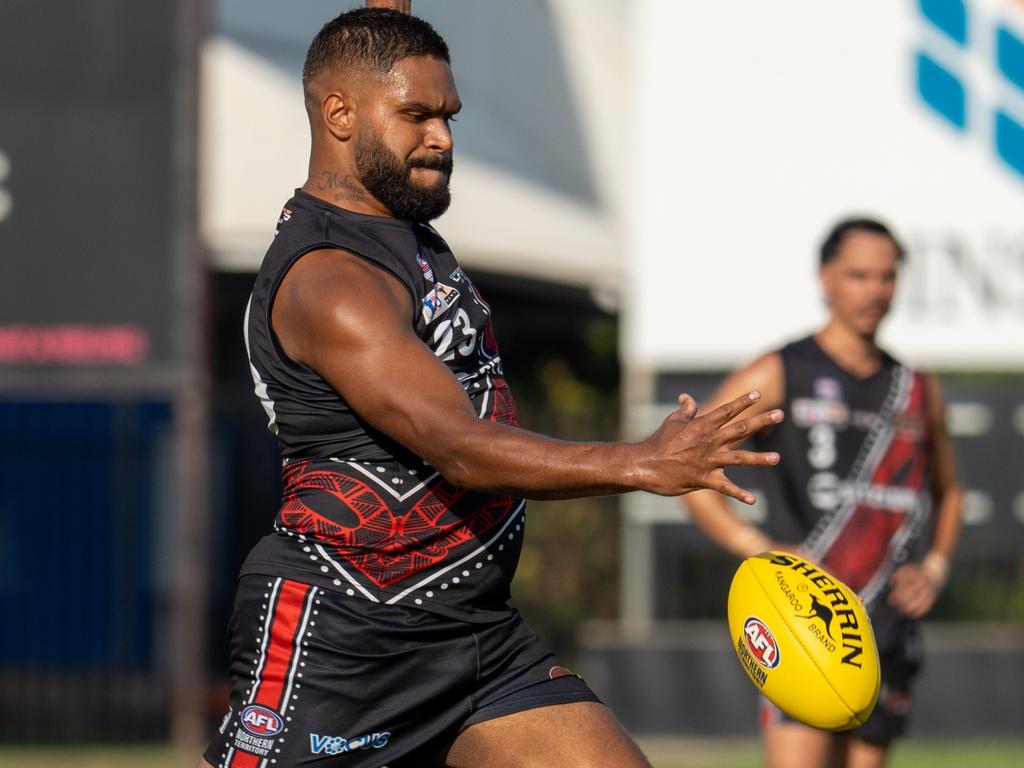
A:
682, 678
83, 593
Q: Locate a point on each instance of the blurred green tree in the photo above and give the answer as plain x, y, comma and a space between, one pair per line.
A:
569, 566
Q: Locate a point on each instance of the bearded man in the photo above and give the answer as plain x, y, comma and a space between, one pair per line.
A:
371, 626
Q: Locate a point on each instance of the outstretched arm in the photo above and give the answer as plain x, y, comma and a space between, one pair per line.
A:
350, 322
711, 511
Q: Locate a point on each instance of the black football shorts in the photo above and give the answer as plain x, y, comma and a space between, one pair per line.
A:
322, 678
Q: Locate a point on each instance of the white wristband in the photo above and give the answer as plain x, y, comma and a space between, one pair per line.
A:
936, 569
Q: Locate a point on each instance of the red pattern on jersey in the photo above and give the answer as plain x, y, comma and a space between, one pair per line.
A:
488, 342
503, 409
386, 543
863, 546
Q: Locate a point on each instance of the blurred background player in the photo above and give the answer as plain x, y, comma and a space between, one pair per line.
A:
373, 623
867, 486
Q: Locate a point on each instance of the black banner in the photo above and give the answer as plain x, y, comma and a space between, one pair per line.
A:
87, 184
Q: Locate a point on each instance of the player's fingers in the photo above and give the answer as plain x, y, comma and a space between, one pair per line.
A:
899, 601
896, 580
747, 458
898, 593
911, 594
741, 430
727, 487
723, 414
918, 603
687, 406
905, 578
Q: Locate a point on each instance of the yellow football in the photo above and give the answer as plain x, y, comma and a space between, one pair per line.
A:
805, 640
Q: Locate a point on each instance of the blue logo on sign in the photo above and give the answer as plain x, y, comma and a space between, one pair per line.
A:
952, 46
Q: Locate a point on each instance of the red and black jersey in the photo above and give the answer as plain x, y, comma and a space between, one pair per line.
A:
854, 487
361, 513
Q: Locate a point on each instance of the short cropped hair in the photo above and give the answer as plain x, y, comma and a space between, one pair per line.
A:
372, 39
835, 237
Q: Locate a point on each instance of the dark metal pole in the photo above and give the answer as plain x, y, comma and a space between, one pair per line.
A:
191, 407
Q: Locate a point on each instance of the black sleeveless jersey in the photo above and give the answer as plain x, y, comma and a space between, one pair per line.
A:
360, 513
854, 485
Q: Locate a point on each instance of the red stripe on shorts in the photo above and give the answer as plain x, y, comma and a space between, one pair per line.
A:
244, 760
281, 649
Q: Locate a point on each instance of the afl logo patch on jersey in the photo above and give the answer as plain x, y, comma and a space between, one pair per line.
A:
438, 300
261, 721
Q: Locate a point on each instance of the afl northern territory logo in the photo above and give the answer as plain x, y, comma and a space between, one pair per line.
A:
261, 721
761, 643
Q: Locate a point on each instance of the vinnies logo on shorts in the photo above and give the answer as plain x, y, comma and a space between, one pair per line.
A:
957, 39
261, 721
338, 745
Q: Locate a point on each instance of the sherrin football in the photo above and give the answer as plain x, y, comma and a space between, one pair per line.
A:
805, 640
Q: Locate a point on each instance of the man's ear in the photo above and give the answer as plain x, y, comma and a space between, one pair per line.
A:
825, 274
338, 113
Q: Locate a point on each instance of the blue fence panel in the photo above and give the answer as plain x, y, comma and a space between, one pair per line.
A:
79, 501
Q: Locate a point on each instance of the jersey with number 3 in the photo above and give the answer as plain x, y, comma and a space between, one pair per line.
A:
854, 489
361, 513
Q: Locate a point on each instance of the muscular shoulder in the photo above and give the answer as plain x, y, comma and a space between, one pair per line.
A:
331, 295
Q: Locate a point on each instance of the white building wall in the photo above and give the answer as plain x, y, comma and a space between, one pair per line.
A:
759, 124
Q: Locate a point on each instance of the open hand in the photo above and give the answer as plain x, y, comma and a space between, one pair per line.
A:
691, 452
911, 592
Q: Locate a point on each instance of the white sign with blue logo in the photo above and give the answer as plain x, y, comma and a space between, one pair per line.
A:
761, 124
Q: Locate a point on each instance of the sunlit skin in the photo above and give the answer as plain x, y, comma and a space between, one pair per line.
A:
410, 108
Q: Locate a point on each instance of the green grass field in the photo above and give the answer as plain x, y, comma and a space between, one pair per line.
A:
740, 753
664, 753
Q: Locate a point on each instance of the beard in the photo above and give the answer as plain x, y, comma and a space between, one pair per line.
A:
388, 179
